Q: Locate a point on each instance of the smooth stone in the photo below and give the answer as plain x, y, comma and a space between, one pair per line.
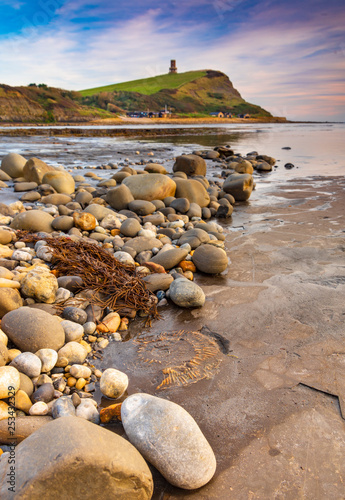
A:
24, 427
83, 197
73, 331
22, 401
27, 363
5, 236
93, 463
156, 219
73, 352
155, 168
110, 222
181, 205
158, 281
263, 166
10, 299
240, 186
89, 327
110, 323
13, 165
48, 359
244, 167
30, 197
170, 439
190, 165
141, 207
39, 408
22, 255
4, 283
119, 197
44, 393
75, 314
71, 283
193, 190
3, 338
63, 223
210, 259
86, 409
150, 187
130, 227
60, 180
170, 258
56, 199
113, 383
80, 371
40, 285
9, 381
34, 170
63, 407
185, 293
26, 384
25, 186
33, 329
124, 258
34, 221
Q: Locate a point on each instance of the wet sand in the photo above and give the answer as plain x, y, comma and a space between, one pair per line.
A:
284, 290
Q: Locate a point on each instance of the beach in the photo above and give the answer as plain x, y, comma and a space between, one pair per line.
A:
270, 410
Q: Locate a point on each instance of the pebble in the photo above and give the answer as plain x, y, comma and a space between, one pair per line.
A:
75, 314
89, 327
80, 371
73, 331
63, 407
44, 393
27, 363
39, 408
86, 409
48, 358
113, 383
73, 353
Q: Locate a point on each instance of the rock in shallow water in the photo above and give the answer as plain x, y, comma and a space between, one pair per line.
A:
113, 383
169, 438
86, 461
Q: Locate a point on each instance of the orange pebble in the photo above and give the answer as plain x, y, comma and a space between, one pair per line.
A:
112, 411
114, 232
187, 265
71, 381
155, 268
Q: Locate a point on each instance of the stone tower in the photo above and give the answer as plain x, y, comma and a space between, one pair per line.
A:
172, 68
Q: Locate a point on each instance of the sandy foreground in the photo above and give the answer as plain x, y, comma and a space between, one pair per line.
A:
281, 306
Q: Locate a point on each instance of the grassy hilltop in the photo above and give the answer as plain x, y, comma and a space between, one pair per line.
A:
193, 92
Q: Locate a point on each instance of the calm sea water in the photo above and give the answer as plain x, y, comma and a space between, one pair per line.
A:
316, 149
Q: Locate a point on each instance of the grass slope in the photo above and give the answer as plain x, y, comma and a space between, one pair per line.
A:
148, 86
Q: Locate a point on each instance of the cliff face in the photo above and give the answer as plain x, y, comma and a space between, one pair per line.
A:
212, 92
42, 104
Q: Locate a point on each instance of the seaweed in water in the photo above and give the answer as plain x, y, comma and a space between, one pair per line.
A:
185, 357
115, 285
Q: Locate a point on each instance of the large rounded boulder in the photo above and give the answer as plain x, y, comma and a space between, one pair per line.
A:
32, 329
190, 165
240, 186
60, 180
193, 190
13, 165
33, 220
72, 458
34, 170
210, 259
150, 187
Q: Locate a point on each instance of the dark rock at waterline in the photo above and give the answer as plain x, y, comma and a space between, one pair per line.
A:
240, 186
91, 460
289, 166
190, 165
210, 259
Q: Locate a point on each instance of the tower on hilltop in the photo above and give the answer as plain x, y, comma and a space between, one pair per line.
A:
172, 68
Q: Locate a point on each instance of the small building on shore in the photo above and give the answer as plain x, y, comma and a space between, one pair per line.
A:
217, 114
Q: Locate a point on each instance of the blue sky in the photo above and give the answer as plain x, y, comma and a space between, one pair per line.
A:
287, 56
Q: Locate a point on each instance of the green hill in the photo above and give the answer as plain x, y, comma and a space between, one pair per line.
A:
148, 86
193, 92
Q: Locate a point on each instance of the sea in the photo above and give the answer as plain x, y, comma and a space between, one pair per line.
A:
315, 149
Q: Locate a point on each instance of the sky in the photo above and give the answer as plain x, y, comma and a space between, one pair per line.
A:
287, 56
